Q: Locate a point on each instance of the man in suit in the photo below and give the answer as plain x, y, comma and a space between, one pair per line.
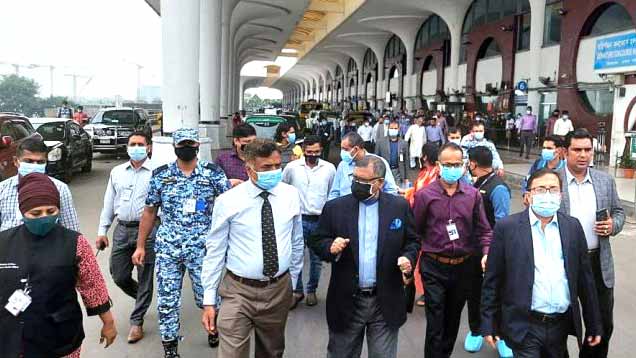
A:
369, 237
391, 148
538, 268
587, 191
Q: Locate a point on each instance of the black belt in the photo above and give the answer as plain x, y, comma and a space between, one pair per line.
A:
368, 291
256, 283
544, 317
311, 217
129, 223
593, 252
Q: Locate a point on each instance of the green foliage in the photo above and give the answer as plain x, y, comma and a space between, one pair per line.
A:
254, 103
19, 94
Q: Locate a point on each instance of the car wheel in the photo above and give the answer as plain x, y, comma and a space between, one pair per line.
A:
89, 163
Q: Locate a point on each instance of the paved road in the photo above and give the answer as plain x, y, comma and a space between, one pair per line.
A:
306, 329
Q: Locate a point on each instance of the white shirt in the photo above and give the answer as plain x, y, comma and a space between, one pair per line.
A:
366, 132
235, 240
417, 135
563, 127
583, 205
126, 194
313, 184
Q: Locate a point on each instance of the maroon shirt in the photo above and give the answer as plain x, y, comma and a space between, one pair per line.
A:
232, 165
434, 208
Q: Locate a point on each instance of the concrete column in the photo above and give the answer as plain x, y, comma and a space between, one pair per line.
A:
537, 8
225, 58
210, 59
180, 50
456, 43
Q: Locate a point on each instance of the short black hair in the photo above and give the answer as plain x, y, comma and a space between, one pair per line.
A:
81, 108
430, 151
243, 130
477, 124
580, 133
33, 145
480, 155
311, 140
354, 139
260, 148
379, 169
282, 128
541, 173
565, 112
558, 142
140, 134
453, 130
452, 146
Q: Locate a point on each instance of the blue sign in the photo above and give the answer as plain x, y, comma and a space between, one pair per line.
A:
615, 52
522, 86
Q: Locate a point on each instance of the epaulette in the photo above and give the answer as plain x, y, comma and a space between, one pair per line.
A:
160, 169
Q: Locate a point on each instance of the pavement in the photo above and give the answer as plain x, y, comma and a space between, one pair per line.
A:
306, 328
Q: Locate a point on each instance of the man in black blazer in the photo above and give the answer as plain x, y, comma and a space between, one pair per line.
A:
369, 237
537, 271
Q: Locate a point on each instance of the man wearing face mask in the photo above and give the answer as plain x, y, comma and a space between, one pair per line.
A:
450, 218
528, 130
538, 270
233, 161
381, 129
31, 157
549, 124
476, 138
370, 240
551, 158
564, 125
125, 199
366, 132
185, 190
313, 177
257, 237
326, 133
416, 136
352, 150
391, 148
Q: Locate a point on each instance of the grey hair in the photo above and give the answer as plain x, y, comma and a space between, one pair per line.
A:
379, 169
354, 139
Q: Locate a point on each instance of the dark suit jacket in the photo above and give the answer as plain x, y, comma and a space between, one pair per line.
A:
339, 218
510, 275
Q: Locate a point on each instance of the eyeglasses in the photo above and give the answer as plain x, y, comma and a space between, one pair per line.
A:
365, 181
544, 190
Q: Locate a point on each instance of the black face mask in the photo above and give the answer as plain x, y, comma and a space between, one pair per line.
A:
186, 153
361, 191
312, 159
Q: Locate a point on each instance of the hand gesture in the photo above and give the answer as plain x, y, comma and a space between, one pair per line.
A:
338, 245
208, 318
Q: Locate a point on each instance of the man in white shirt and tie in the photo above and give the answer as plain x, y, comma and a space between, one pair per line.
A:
125, 199
313, 177
257, 236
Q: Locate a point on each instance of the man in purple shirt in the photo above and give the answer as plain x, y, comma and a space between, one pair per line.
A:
528, 129
450, 218
233, 161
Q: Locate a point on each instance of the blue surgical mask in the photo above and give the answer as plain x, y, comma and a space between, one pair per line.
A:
386, 121
28, 168
479, 135
137, 153
393, 132
451, 174
42, 225
346, 156
547, 154
269, 179
546, 205
456, 141
291, 137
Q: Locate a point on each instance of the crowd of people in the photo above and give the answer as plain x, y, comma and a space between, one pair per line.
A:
242, 225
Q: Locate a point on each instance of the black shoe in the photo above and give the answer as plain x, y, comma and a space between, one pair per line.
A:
296, 299
170, 349
213, 340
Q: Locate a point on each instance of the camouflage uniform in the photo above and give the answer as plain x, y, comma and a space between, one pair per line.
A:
186, 211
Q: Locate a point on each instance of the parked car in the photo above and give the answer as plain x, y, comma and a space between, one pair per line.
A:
265, 125
70, 148
14, 128
110, 127
357, 118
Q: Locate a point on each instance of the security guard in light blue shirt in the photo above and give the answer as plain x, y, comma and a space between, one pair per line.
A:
185, 190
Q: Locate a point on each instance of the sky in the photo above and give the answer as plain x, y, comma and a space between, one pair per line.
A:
99, 41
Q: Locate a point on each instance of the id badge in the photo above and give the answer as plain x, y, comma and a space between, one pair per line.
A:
451, 228
18, 302
189, 206
201, 205
126, 195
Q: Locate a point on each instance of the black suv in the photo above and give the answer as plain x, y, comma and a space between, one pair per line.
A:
110, 128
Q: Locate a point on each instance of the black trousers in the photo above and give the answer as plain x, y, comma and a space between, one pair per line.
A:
445, 296
474, 294
606, 302
544, 340
526, 141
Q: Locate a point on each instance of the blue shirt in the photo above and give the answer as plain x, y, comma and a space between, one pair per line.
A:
344, 175
467, 143
434, 134
368, 243
500, 199
550, 291
394, 155
536, 166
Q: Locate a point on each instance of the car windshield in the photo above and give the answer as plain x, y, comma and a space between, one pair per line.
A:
115, 118
52, 131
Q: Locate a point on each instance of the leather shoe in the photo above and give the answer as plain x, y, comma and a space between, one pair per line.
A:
311, 300
213, 340
296, 299
136, 334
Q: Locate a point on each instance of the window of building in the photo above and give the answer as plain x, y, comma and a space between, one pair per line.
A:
598, 101
489, 49
338, 72
394, 48
433, 29
523, 32
352, 67
552, 24
613, 18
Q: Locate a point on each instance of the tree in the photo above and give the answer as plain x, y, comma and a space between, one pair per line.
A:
18, 94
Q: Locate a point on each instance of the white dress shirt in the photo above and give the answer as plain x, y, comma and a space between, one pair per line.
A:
583, 205
562, 127
313, 184
366, 132
235, 240
126, 194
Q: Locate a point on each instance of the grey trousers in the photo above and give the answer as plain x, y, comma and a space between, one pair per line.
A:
397, 176
121, 267
382, 341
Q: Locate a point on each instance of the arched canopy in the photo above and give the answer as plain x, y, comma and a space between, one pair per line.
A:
394, 48
370, 61
488, 49
433, 29
352, 67
608, 19
338, 72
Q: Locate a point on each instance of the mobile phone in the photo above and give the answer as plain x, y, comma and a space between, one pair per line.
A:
602, 215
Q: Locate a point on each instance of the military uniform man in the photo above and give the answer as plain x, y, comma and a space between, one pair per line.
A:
185, 190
